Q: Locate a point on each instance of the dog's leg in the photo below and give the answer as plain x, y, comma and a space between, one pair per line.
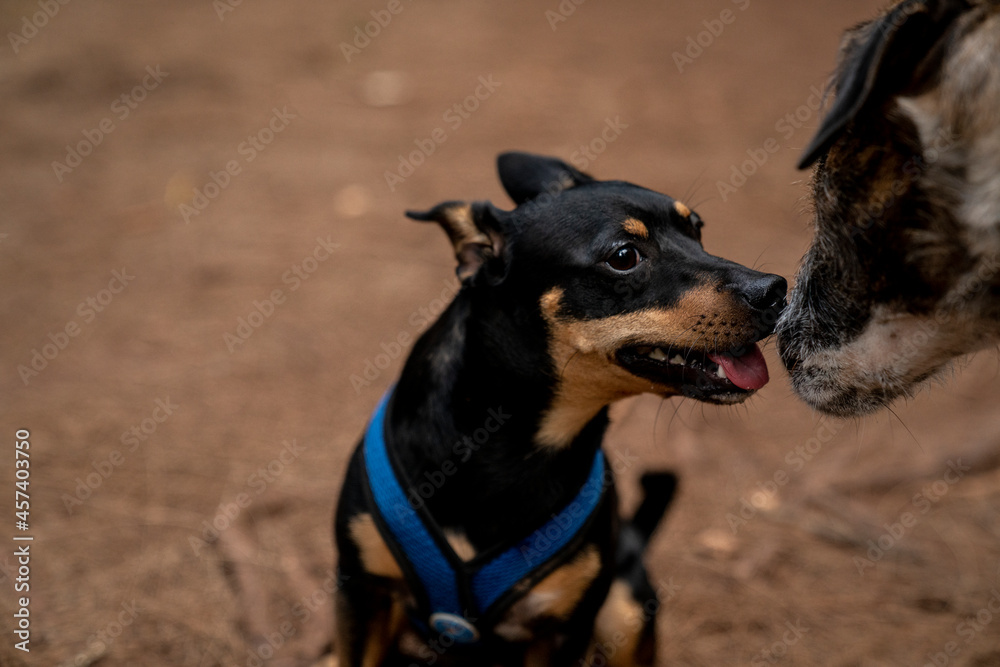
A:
625, 629
624, 635
367, 628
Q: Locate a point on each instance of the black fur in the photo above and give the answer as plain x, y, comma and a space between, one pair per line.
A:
489, 358
906, 209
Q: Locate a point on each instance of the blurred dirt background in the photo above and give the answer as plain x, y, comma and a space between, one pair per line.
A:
165, 404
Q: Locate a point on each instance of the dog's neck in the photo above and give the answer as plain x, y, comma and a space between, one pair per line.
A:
465, 416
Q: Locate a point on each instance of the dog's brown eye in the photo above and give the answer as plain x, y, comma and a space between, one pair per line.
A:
625, 258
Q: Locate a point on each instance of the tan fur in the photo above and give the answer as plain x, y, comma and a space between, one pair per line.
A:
383, 631
558, 594
583, 352
385, 628
375, 555
459, 222
636, 228
958, 120
682, 209
619, 624
954, 242
461, 545
462, 228
555, 596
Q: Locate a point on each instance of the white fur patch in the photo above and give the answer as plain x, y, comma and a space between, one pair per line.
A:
891, 356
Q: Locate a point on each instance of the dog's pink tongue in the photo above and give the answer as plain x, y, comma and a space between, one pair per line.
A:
747, 372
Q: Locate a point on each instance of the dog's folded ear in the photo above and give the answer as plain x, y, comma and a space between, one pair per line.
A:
891, 56
526, 176
475, 232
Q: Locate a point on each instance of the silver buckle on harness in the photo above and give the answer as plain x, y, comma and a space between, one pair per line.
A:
455, 627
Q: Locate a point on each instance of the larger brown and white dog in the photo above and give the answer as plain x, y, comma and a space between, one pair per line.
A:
904, 273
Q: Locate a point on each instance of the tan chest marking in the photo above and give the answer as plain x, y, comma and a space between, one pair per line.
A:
460, 545
375, 555
555, 596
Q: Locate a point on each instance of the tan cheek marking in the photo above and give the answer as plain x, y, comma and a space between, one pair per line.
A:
701, 319
682, 209
636, 228
587, 380
587, 383
375, 555
583, 352
620, 623
550, 302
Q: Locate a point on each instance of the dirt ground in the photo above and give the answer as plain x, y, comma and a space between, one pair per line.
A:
207, 274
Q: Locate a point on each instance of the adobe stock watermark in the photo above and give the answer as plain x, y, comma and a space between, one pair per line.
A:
256, 484
223, 7
395, 348
779, 649
423, 489
562, 12
432, 650
121, 108
587, 153
248, 149
698, 44
582, 158
886, 197
99, 642
132, 438
538, 543
31, 26
364, 35
301, 612
969, 629
294, 278
634, 621
454, 117
796, 458
786, 127
922, 503
87, 310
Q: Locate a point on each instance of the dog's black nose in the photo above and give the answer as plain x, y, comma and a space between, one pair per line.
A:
767, 292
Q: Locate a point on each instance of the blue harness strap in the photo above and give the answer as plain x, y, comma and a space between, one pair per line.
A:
434, 563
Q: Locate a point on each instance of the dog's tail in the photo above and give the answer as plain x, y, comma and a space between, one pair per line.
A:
658, 489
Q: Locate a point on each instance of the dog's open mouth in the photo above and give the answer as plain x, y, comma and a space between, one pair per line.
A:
726, 377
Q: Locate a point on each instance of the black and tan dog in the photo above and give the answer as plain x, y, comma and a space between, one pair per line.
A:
904, 272
478, 521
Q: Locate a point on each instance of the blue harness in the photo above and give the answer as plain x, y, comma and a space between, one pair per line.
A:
462, 600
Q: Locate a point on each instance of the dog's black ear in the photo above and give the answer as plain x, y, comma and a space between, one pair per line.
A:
526, 176
476, 233
887, 57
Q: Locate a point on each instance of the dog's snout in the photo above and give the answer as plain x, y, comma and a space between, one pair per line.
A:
767, 293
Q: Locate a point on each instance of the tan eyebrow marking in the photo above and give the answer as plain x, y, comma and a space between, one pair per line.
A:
633, 226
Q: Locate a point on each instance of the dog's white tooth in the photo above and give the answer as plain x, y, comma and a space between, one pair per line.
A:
657, 355
722, 373
678, 360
